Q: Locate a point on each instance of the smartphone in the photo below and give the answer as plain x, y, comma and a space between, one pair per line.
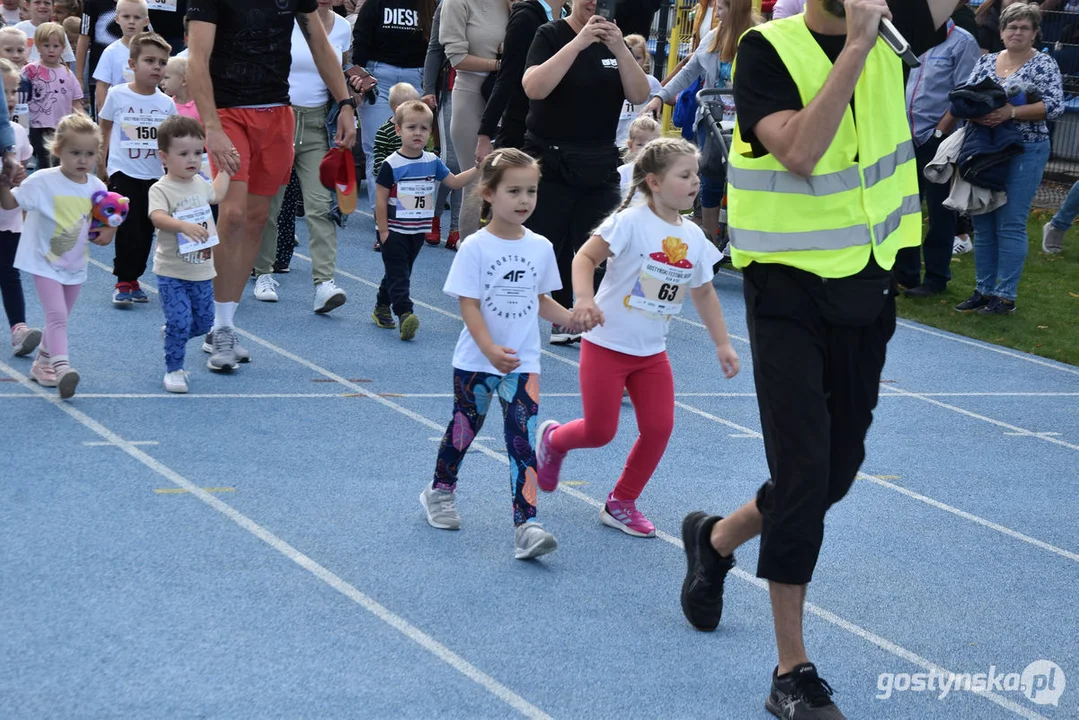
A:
605, 9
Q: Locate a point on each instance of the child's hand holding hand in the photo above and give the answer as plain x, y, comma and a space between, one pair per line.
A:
195, 232
503, 358
728, 359
586, 315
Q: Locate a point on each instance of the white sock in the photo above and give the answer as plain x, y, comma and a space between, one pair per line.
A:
224, 312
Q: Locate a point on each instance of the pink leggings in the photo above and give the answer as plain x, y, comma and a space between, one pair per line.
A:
604, 373
57, 300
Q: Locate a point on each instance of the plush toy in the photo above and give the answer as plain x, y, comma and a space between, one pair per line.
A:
110, 210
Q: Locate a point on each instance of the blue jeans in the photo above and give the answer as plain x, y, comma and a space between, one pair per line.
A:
189, 312
372, 116
1068, 210
1000, 237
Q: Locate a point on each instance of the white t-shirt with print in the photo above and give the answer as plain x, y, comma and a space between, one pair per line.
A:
28, 27
11, 220
133, 140
653, 268
10, 17
631, 111
305, 86
113, 67
625, 180
507, 277
55, 242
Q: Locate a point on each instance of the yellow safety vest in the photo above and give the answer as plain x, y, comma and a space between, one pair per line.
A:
862, 197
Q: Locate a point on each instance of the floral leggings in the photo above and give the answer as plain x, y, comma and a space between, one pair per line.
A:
472, 395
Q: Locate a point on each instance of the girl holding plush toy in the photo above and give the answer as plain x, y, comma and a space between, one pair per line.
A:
54, 247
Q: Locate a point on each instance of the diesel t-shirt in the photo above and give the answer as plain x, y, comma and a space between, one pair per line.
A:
585, 106
252, 51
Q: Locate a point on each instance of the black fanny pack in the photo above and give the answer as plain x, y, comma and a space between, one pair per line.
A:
576, 165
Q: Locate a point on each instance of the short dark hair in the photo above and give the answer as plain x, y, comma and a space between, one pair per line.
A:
178, 126
148, 39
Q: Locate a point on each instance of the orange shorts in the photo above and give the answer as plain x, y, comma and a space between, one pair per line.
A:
264, 139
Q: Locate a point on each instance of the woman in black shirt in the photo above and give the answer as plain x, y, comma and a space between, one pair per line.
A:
578, 73
389, 42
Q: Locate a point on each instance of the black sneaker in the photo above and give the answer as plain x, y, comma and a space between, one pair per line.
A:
998, 306
925, 290
702, 590
383, 317
972, 303
802, 695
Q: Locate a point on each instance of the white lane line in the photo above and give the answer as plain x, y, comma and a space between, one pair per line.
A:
109, 444
1044, 436
384, 614
750, 433
991, 348
825, 615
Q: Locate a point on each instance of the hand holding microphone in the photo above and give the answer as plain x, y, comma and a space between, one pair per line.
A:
869, 19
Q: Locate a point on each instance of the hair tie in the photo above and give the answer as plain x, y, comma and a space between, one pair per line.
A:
497, 157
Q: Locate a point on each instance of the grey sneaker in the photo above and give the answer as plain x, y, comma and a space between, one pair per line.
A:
1052, 239
440, 508
530, 541
242, 355
223, 358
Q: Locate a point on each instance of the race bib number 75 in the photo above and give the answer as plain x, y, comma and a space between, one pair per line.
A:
416, 199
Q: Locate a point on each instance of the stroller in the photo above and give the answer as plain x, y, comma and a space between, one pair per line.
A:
715, 133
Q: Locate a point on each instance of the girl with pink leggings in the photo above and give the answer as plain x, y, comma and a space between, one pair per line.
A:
654, 258
54, 247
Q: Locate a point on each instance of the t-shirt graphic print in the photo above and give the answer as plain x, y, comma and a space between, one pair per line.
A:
510, 282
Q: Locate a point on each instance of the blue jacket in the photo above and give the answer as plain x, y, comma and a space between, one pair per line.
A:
986, 152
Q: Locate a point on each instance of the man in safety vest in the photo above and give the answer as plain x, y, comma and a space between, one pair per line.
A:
823, 193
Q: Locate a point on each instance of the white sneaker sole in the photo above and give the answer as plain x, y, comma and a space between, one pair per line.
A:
546, 544
332, 303
222, 368
611, 522
431, 519
266, 297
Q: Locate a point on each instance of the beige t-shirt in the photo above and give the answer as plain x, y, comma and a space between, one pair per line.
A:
192, 198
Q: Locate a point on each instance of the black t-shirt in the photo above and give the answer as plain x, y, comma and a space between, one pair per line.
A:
391, 32
252, 51
584, 107
763, 85
99, 24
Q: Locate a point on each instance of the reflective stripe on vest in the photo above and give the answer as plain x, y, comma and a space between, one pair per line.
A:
861, 200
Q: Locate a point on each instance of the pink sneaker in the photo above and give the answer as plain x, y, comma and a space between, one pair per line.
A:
43, 374
548, 460
623, 515
24, 340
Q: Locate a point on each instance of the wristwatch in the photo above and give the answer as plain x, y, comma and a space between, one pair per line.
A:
350, 101
938, 133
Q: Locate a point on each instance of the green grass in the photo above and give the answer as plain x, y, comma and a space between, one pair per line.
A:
1046, 320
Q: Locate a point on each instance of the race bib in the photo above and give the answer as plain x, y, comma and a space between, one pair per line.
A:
203, 216
416, 199
662, 283
166, 5
138, 131
629, 110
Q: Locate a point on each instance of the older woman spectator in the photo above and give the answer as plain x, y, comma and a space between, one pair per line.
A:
578, 73
1000, 237
472, 32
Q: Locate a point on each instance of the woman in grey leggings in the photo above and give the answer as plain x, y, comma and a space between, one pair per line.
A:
471, 32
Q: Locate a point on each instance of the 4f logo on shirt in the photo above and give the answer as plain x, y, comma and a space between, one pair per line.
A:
514, 276
400, 18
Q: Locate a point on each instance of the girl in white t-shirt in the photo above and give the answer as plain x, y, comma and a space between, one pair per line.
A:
501, 275
642, 131
54, 246
654, 259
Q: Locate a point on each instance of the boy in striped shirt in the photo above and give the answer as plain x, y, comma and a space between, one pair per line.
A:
387, 141
404, 209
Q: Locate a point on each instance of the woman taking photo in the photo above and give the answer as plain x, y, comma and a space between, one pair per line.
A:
1000, 237
578, 73
714, 59
389, 43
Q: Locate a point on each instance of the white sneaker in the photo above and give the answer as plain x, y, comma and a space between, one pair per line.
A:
961, 246
266, 288
176, 381
328, 296
530, 540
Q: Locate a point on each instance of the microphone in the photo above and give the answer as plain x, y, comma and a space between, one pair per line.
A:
897, 43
